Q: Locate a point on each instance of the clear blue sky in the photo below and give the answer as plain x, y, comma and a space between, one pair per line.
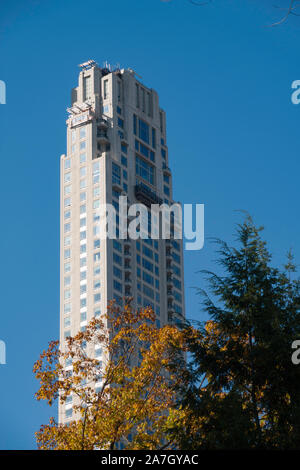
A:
224, 80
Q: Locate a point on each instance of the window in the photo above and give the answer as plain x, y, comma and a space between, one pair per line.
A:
67, 214
67, 178
96, 257
83, 222
120, 122
144, 170
147, 265
161, 121
148, 292
82, 235
67, 163
82, 157
143, 131
178, 309
68, 190
82, 132
176, 270
137, 95
67, 241
67, 267
148, 278
83, 184
82, 303
117, 272
177, 283
96, 191
82, 171
67, 202
83, 316
97, 284
147, 252
105, 89
176, 258
166, 178
82, 197
69, 413
83, 275
87, 88
177, 296
150, 107
143, 100
67, 308
69, 399
153, 138
124, 148
96, 244
167, 190
117, 259
98, 352
67, 253
97, 298
124, 161
116, 174
96, 168
83, 289
83, 209
96, 270
67, 280
82, 145
97, 313
117, 286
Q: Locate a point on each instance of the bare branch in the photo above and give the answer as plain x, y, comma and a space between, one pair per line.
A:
200, 4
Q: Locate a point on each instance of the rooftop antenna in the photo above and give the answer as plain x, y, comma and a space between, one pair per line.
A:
134, 72
88, 64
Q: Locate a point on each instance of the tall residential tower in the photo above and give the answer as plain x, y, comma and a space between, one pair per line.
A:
116, 145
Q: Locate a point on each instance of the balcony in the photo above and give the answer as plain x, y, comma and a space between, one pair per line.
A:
128, 291
166, 169
102, 135
102, 123
146, 195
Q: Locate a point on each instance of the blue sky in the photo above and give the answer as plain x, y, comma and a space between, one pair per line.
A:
224, 79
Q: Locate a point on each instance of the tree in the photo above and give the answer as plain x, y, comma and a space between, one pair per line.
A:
242, 389
138, 383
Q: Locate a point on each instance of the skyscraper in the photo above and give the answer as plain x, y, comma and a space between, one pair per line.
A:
116, 145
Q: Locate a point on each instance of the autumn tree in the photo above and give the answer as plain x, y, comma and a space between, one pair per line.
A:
123, 398
242, 390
